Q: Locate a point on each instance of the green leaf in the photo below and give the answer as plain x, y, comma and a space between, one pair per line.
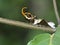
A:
47, 39
42, 39
56, 39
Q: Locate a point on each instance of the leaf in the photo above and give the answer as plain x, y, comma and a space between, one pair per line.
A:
56, 39
42, 39
47, 39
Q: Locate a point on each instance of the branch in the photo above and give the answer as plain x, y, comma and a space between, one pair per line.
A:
25, 25
56, 11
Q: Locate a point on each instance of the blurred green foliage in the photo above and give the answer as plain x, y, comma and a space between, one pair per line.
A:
11, 9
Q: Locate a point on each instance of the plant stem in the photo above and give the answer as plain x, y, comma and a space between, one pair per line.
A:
51, 39
56, 11
25, 25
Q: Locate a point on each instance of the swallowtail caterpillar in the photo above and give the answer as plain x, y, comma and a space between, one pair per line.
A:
36, 21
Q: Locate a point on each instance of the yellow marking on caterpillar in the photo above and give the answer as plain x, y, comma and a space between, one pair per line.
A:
23, 11
26, 14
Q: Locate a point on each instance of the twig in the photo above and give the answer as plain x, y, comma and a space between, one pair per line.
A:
56, 11
25, 25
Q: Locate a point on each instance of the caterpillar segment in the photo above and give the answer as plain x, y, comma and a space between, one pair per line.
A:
27, 14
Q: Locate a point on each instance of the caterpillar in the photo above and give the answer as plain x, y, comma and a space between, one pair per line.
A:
39, 22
